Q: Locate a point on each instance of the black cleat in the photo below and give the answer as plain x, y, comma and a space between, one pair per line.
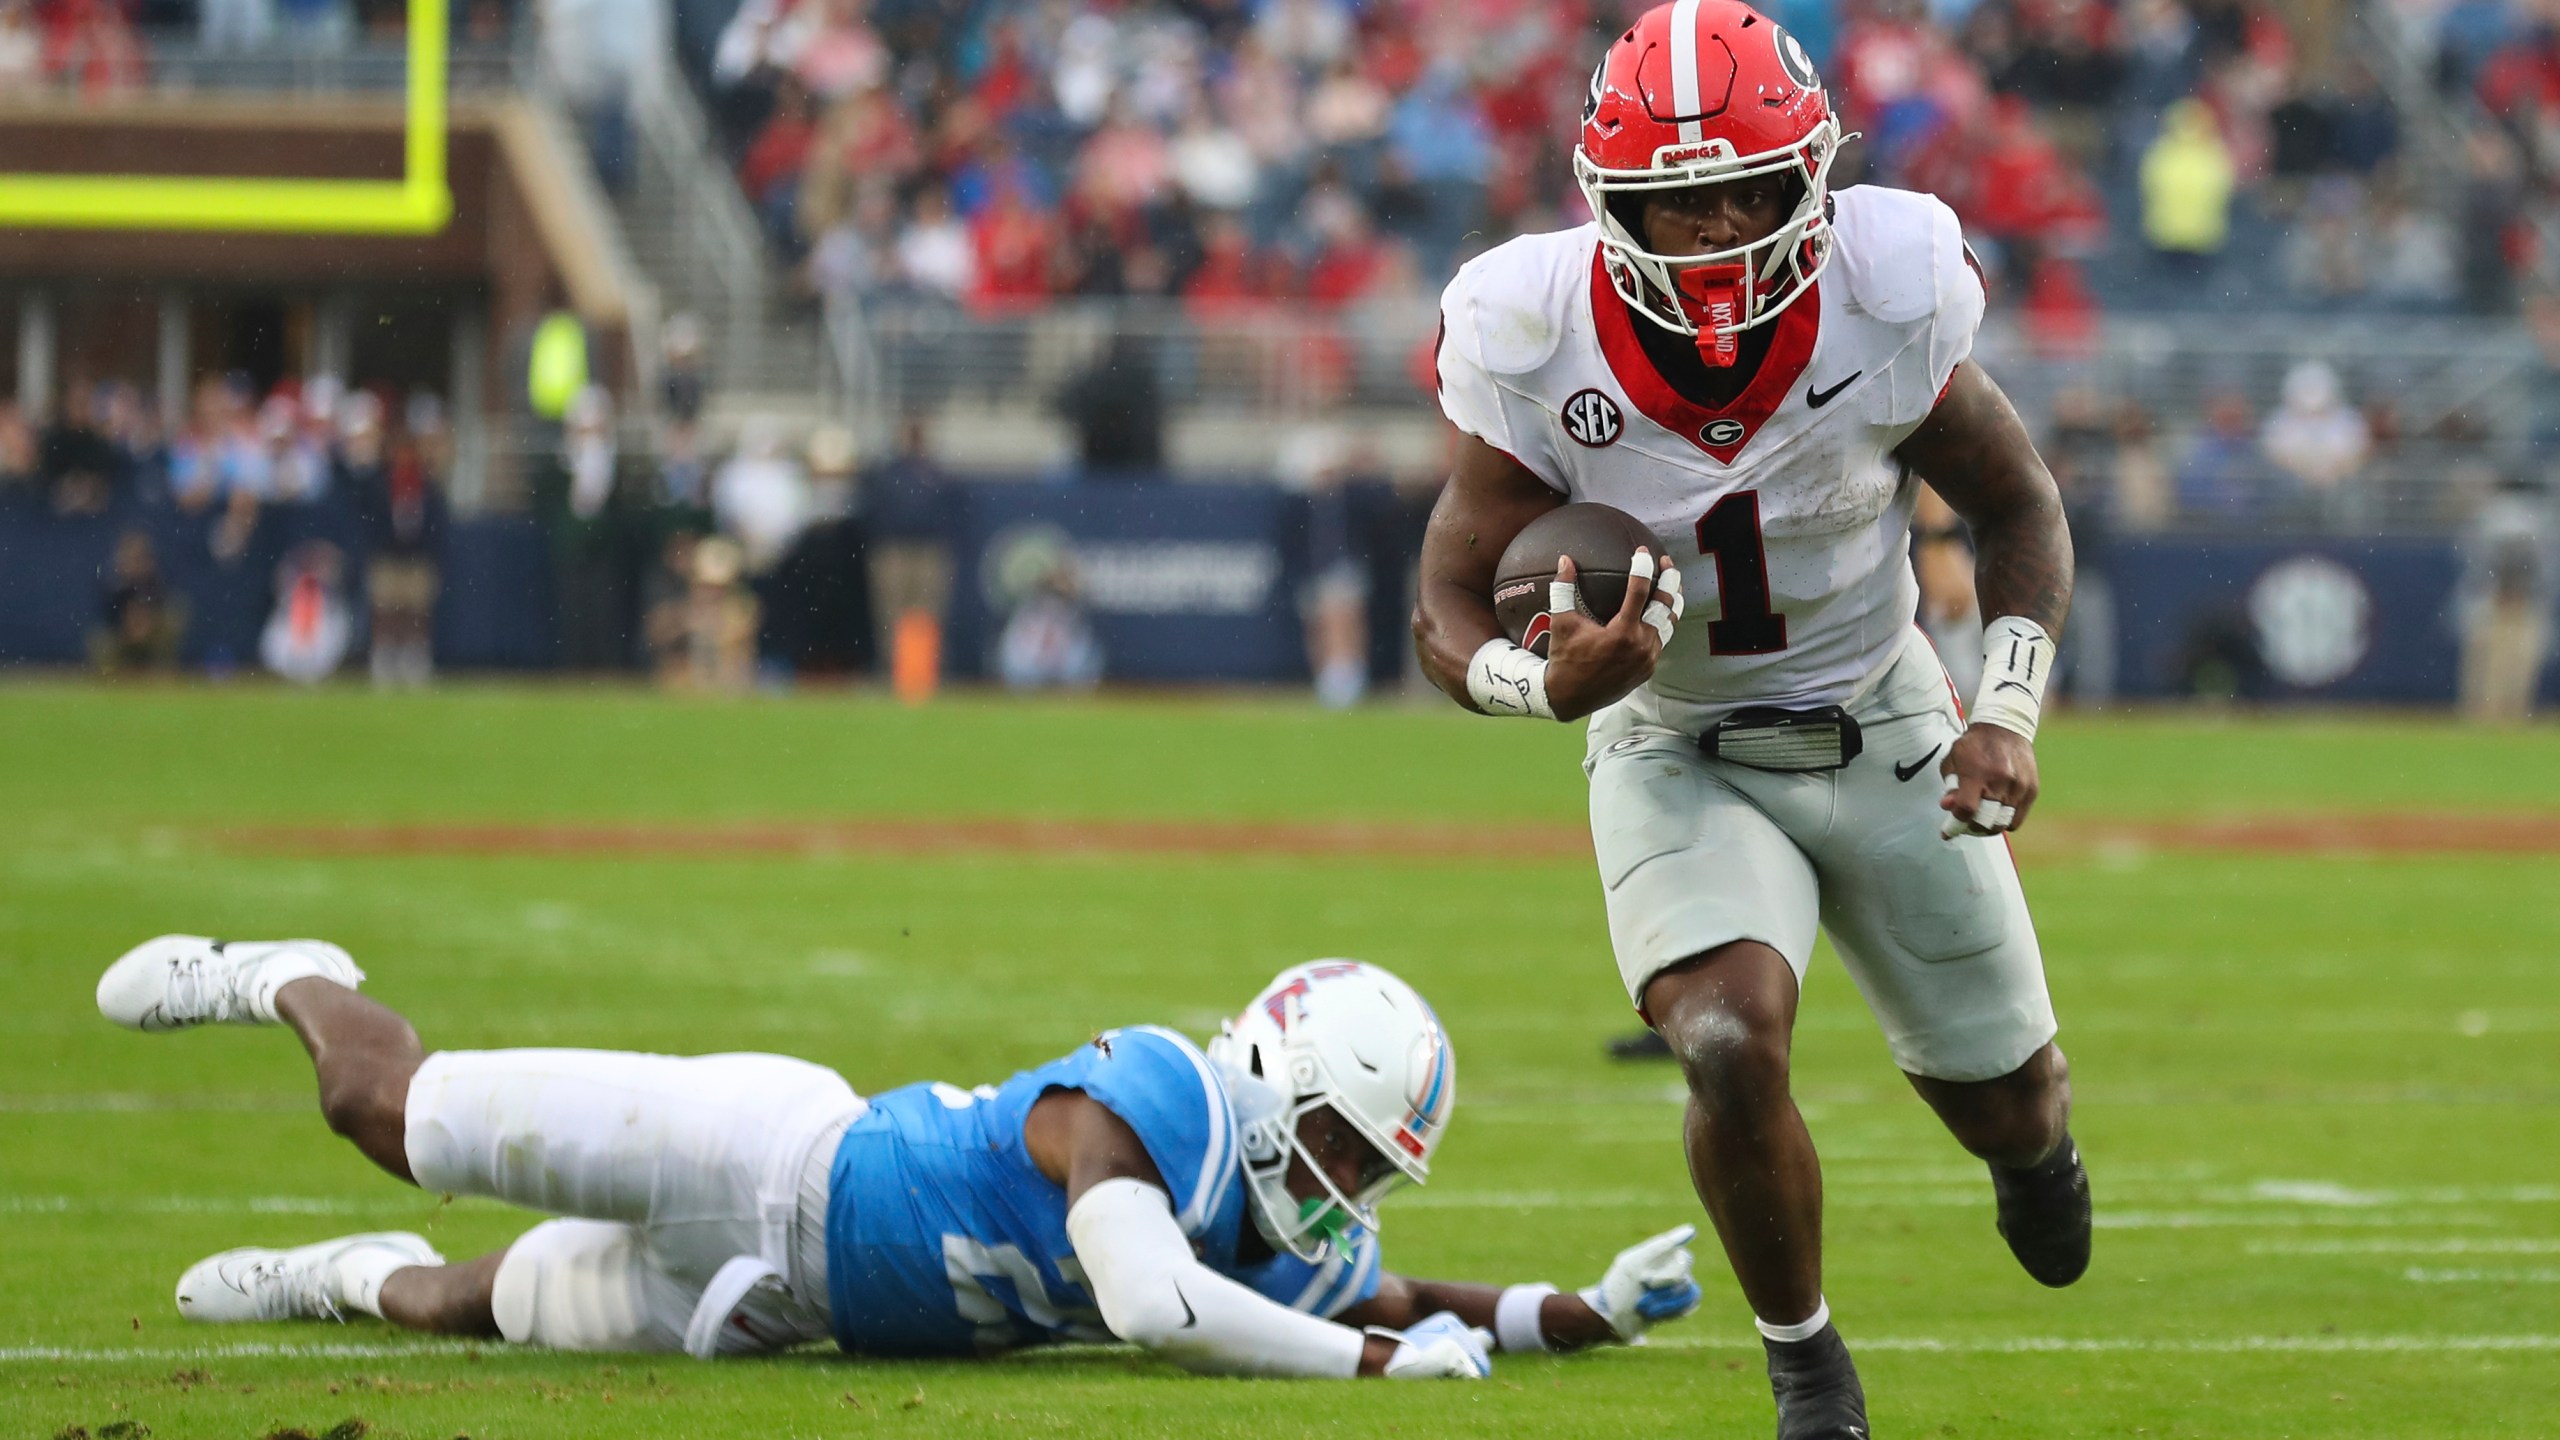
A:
1819, 1397
1639, 1045
2044, 1215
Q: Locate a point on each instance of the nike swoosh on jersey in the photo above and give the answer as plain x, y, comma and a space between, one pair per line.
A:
1903, 772
1816, 399
1189, 1319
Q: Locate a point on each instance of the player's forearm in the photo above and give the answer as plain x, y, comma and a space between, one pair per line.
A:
1450, 624
2023, 562
1975, 452
1565, 1320
1153, 1292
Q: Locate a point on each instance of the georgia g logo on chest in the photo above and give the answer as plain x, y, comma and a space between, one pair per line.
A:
1592, 420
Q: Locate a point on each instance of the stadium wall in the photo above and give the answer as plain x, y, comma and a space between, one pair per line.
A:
1201, 583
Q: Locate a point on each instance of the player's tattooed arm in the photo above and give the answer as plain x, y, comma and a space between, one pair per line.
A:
1974, 451
1489, 499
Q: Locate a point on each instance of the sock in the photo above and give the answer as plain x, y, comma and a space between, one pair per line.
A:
271, 972
359, 1275
1802, 1330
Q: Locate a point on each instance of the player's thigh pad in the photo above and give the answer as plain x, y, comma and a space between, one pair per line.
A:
1688, 864
589, 1285
673, 1143
1934, 932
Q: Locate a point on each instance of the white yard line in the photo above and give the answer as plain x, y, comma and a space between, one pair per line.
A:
2519, 1275
2231, 1345
121, 1102
105, 1355
2486, 1245
1925, 1344
397, 1202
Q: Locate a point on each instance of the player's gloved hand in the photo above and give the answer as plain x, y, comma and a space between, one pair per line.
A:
1590, 664
1647, 1284
1990, 775
1442, 1347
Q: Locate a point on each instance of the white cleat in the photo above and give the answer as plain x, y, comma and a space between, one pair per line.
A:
305, 1283
181, 980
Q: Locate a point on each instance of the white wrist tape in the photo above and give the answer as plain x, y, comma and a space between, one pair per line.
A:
2017, 660
1503, 679
1515, 1319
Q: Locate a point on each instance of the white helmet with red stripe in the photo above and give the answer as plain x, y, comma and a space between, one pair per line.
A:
1696, 93
1351, 1037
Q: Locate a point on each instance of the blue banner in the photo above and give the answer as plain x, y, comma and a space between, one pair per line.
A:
1176, 582
2309, 619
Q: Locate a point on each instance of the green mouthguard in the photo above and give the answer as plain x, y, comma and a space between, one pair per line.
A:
1331, 1225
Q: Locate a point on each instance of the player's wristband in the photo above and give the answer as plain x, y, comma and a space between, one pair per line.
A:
1503, 679
1515, 1319
2017, 660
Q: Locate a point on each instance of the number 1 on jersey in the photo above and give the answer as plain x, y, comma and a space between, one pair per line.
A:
1730, 531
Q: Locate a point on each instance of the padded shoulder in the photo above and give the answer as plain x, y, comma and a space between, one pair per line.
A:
1165, 1090
1902, 257
1506, 310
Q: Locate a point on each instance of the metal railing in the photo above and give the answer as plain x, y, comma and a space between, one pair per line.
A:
902, 355
178, 61
2452, 399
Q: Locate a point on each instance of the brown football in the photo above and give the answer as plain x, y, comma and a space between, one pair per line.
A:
1600, 538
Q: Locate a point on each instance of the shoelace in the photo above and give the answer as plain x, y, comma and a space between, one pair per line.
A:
196, 989
278, 1291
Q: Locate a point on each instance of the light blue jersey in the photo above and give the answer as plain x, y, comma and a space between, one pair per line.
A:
944, 1239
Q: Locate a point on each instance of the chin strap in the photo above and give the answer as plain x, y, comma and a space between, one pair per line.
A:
1716, 298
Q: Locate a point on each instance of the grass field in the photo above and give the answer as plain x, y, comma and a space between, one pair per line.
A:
2319, 1093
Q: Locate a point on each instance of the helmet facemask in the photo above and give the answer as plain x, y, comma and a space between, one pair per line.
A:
1269, 1121
1714, 296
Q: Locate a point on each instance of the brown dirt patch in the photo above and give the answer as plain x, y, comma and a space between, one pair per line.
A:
2367, 834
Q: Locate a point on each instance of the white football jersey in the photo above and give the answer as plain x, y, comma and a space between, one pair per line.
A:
1786, 511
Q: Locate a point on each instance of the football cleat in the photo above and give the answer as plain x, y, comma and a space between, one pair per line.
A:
299, 1284
2045, 1215
181, 980
1816, 1385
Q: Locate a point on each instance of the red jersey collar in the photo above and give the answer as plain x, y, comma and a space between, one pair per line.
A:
1731, 427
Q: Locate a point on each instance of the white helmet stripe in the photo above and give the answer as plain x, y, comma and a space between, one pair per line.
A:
1684, 70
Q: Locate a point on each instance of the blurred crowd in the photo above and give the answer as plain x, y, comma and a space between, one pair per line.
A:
1316, 152
241, 519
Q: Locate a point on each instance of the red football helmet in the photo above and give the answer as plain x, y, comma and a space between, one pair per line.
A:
1695, 93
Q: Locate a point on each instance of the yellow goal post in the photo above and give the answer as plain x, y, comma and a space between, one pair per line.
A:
418, 203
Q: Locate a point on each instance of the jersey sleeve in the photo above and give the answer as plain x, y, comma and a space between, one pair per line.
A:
1961, 299
1905, 263
1344, 1278
1162, 1087
1470, 396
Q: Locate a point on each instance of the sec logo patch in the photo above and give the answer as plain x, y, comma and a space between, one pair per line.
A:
1592, 420
1722, 432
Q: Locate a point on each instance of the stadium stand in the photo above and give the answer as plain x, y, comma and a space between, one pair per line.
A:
1202, 241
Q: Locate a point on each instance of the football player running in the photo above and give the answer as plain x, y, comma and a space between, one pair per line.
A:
1217, 1206
1764, 372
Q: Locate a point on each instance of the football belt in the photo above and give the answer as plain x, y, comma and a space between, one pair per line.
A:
1786, 740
